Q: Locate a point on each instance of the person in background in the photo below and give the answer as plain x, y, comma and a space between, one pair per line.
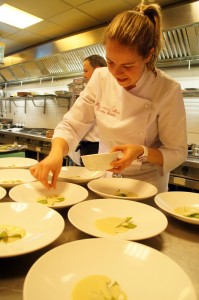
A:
90, 142
139, 110
92, 62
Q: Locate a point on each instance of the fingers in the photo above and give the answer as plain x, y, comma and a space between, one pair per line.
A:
41, 174
117, 148
32, 170
117, 170
118, 162
54, 179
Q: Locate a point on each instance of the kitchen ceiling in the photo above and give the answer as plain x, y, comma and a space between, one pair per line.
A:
73, 29
62, 18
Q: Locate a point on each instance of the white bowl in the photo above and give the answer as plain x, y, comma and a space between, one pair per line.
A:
30, 192
141, 272
43, 225
78, 174
17, 162
169, 201
108, 188
100, 161
3, 192
85, 214
12, 177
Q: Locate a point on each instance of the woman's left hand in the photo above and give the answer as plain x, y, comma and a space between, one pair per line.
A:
130, 153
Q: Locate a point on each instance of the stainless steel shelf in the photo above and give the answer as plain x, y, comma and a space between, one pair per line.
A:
60, 100
191, 93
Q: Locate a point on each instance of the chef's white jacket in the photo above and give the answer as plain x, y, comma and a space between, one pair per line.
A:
151, 114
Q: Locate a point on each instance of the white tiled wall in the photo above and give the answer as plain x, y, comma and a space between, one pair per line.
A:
189, 78
35, 117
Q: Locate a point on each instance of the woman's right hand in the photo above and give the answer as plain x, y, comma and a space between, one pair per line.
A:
51, 164
48, 165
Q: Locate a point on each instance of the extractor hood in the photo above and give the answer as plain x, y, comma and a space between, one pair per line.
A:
63, 58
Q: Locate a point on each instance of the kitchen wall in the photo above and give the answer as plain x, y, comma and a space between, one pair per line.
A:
35, 117
189, 78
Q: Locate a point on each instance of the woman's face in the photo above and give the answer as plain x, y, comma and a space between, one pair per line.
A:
88, 69
124, 63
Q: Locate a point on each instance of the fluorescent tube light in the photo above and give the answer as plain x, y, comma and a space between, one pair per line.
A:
16, 17
2, 48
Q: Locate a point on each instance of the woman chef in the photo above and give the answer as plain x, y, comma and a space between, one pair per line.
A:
138, 109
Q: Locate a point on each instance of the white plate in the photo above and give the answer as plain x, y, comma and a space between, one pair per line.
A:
78, 174
29, 192
17, 163
107, 187
3, 192
23, 175
169, 201
43, 225
142, 272
150, 221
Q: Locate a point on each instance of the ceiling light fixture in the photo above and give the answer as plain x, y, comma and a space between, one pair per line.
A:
16, 17
2, 48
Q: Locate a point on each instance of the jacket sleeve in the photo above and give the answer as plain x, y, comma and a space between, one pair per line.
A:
172, 130
79, 119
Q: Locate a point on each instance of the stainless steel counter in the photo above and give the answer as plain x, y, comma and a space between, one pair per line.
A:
36, 146
192, 162
180, 241
18, 134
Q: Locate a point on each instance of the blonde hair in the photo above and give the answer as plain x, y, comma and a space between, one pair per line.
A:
139, 29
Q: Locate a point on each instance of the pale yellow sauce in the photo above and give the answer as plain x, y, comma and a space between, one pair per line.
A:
114, 225
97, 287
187, 211
10, 233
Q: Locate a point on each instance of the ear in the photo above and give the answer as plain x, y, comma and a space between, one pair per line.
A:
148, 57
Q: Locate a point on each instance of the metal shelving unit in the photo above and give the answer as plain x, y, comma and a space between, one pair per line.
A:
190, 93
59, 100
